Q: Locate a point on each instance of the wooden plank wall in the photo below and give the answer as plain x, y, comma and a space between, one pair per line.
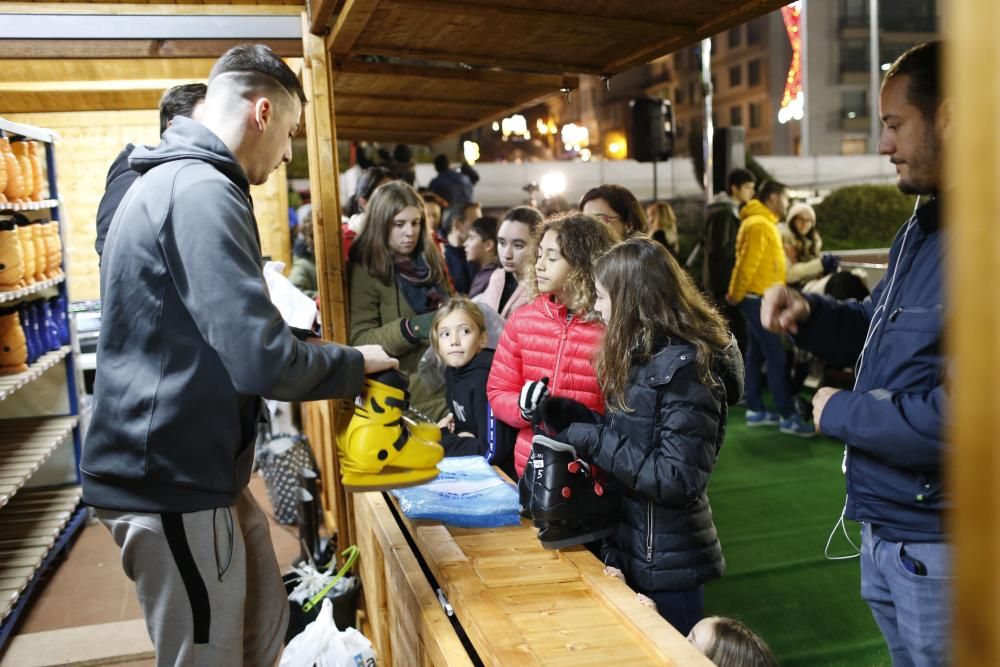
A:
90, 141
403, 617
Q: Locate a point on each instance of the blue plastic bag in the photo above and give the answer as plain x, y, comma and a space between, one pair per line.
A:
467, 493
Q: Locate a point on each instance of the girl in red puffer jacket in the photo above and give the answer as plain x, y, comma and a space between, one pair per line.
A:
547, 345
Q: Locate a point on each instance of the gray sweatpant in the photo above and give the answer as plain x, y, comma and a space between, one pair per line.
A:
208, 583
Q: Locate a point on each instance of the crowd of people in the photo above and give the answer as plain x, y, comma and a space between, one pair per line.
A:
635, 376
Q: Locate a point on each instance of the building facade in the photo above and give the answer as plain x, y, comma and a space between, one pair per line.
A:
749, 66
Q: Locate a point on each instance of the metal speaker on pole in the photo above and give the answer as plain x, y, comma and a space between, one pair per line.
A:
650, 130
728, 152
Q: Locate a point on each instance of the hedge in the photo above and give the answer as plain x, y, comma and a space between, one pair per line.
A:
862, 216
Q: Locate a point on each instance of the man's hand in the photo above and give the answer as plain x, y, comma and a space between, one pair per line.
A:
731, 301
820, 399
376, 358
781, 310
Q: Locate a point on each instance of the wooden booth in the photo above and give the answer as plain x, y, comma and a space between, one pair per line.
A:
418, 71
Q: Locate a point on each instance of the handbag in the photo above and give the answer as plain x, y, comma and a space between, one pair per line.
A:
280, 457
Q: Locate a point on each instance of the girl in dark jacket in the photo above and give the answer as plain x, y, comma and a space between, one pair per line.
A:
668, 368
459, 339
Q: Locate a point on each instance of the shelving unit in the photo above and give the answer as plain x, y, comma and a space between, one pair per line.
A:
14, 295
41, 431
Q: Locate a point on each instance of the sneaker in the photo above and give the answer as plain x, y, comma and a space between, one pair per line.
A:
762, 418
794, 425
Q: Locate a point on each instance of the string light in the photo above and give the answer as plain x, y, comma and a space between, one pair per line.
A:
793, 99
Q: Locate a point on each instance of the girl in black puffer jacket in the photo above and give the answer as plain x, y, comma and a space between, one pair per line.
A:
668, 368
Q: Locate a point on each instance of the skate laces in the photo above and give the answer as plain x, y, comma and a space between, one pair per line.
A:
591, 472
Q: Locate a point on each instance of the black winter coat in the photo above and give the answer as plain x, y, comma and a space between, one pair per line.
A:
465, 389
662, 455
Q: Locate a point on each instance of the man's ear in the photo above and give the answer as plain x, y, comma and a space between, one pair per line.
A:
491, 245
942, 121
263, 111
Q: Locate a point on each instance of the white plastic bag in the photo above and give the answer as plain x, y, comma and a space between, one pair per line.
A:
297, 309
321, 644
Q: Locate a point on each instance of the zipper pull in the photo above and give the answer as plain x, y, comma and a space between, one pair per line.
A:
895, 314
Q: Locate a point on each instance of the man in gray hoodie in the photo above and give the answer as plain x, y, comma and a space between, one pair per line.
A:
189, 344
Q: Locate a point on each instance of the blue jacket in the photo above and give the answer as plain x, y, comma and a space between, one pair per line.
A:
454, 187
893, 421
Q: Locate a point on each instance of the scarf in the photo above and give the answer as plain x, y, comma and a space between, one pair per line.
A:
414, 279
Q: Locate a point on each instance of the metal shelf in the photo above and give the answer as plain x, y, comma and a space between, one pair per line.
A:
29, 206
32, 524
12, 383
29, 131
14, 295
25, 444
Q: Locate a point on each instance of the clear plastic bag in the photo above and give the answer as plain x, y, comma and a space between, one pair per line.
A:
467, 493
321, 644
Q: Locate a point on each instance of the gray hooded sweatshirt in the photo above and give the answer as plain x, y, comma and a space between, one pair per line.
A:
190, 341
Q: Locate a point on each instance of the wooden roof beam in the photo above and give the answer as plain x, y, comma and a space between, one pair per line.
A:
351, 22
348, 98
496, 60
99, 86
155, 9
561, 20
320, 12
548, 81
359, 117
63, 49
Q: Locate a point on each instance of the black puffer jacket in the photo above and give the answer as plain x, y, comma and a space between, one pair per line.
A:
662, 455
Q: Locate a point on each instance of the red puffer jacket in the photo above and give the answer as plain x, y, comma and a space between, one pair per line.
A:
542, 340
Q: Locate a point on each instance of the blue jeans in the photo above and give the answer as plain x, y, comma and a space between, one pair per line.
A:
908, 587
683, 609
764, 346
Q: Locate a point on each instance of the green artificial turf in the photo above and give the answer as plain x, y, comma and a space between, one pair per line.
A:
775, 499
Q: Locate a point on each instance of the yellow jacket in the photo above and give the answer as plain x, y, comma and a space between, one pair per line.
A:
760, 257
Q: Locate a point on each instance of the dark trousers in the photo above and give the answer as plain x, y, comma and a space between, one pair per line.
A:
681, 608
764, 346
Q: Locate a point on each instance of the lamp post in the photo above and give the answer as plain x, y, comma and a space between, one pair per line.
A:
875, 77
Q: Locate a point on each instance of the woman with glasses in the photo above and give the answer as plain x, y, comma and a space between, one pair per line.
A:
617, 208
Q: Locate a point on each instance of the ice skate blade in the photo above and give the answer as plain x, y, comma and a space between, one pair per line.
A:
389, 478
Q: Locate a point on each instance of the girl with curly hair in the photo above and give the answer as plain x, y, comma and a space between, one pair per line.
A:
548, 344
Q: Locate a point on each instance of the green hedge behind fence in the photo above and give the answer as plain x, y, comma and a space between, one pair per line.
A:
862, 216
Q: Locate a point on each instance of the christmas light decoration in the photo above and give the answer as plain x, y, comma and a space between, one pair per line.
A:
793, 101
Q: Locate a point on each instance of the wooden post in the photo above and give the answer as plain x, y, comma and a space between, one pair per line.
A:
972, 174
324, 179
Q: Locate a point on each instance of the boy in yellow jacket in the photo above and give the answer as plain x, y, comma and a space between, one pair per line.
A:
760, 263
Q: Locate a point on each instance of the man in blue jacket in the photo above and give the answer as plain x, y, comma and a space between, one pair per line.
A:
189, 344
892, 421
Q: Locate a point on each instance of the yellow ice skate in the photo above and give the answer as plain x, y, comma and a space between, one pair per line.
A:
380, 448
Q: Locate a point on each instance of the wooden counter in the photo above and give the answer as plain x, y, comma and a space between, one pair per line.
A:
517, 603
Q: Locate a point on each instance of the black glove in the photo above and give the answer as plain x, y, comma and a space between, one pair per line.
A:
559, 412
830, 263
531, 396
418, 329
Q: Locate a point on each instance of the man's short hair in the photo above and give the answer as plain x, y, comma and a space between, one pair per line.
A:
258, 69
922, 64
441, 163
737, 177
486, 228
180, 101
768, 188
